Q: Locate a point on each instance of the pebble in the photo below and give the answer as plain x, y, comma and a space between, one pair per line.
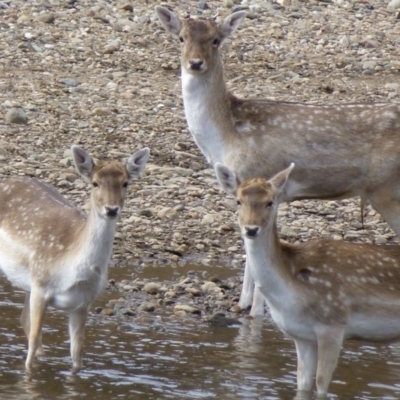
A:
152, 287
187, 309
48, 18
69, 82
112, 47
148, 307
16, 116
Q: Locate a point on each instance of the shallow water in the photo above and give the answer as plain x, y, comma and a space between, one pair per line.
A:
177, 359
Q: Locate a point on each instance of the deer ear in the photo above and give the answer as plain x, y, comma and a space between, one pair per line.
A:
226, 178
83, 162
136, 163
231, 23
170, 20
278, 181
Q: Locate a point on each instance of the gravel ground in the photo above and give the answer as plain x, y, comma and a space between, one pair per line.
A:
105, 75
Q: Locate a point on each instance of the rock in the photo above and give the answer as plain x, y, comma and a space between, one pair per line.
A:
47, 18
112, 47
16, 116
148, 307
380, 239
147, 213
69, 82
193, 291
23, 20
219, 319
236, 309
288, 232
127, 6
369, 65
228, 3
202, 5
152, 287
101, 111
127, 312
108, 312
210, 287
394, 4
166, 212
187, 309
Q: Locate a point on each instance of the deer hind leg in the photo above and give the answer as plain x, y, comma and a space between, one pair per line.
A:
77, 321
25, 322
330, 340
388, 205
307, 357
246, 296
37, 308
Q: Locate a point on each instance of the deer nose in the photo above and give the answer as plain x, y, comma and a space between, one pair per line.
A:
251, 230
112, 211
196, 64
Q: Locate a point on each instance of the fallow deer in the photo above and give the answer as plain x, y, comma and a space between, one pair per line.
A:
54, 252
340, 150
319, 293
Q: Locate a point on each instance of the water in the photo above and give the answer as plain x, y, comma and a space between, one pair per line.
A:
177, 359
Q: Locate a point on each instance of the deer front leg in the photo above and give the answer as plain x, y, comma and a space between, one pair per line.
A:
77, 321
307, 357
37, 307
246, 296
257, 307
25, 322
330, 340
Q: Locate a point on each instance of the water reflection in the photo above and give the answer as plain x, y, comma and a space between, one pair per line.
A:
178, 359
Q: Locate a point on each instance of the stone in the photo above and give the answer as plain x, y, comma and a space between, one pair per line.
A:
108, 312
16, 116
152, 287
112, 47
219, 319
187, 309
148, 307
47, 17
69, 82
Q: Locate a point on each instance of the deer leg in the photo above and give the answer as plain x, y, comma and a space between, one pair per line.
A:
330, 340
25, 322
307, 357
257, 307
77, 321
388, 205
37, 307
246, 297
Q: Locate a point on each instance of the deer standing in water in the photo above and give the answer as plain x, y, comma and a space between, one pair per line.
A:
54, 252
340, 151
319, 293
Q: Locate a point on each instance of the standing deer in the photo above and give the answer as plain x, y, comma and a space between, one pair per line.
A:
54, 252
319, 293
340, 150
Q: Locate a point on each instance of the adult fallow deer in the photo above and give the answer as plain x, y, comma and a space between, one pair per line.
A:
319, 293
54, 252
340, 150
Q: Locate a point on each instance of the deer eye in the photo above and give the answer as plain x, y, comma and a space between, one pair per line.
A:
238, 202
216, 42
181, 39
95, 184
125, 185
269, 204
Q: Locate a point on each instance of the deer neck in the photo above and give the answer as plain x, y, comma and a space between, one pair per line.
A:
207, 109
96, 240
268, 266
